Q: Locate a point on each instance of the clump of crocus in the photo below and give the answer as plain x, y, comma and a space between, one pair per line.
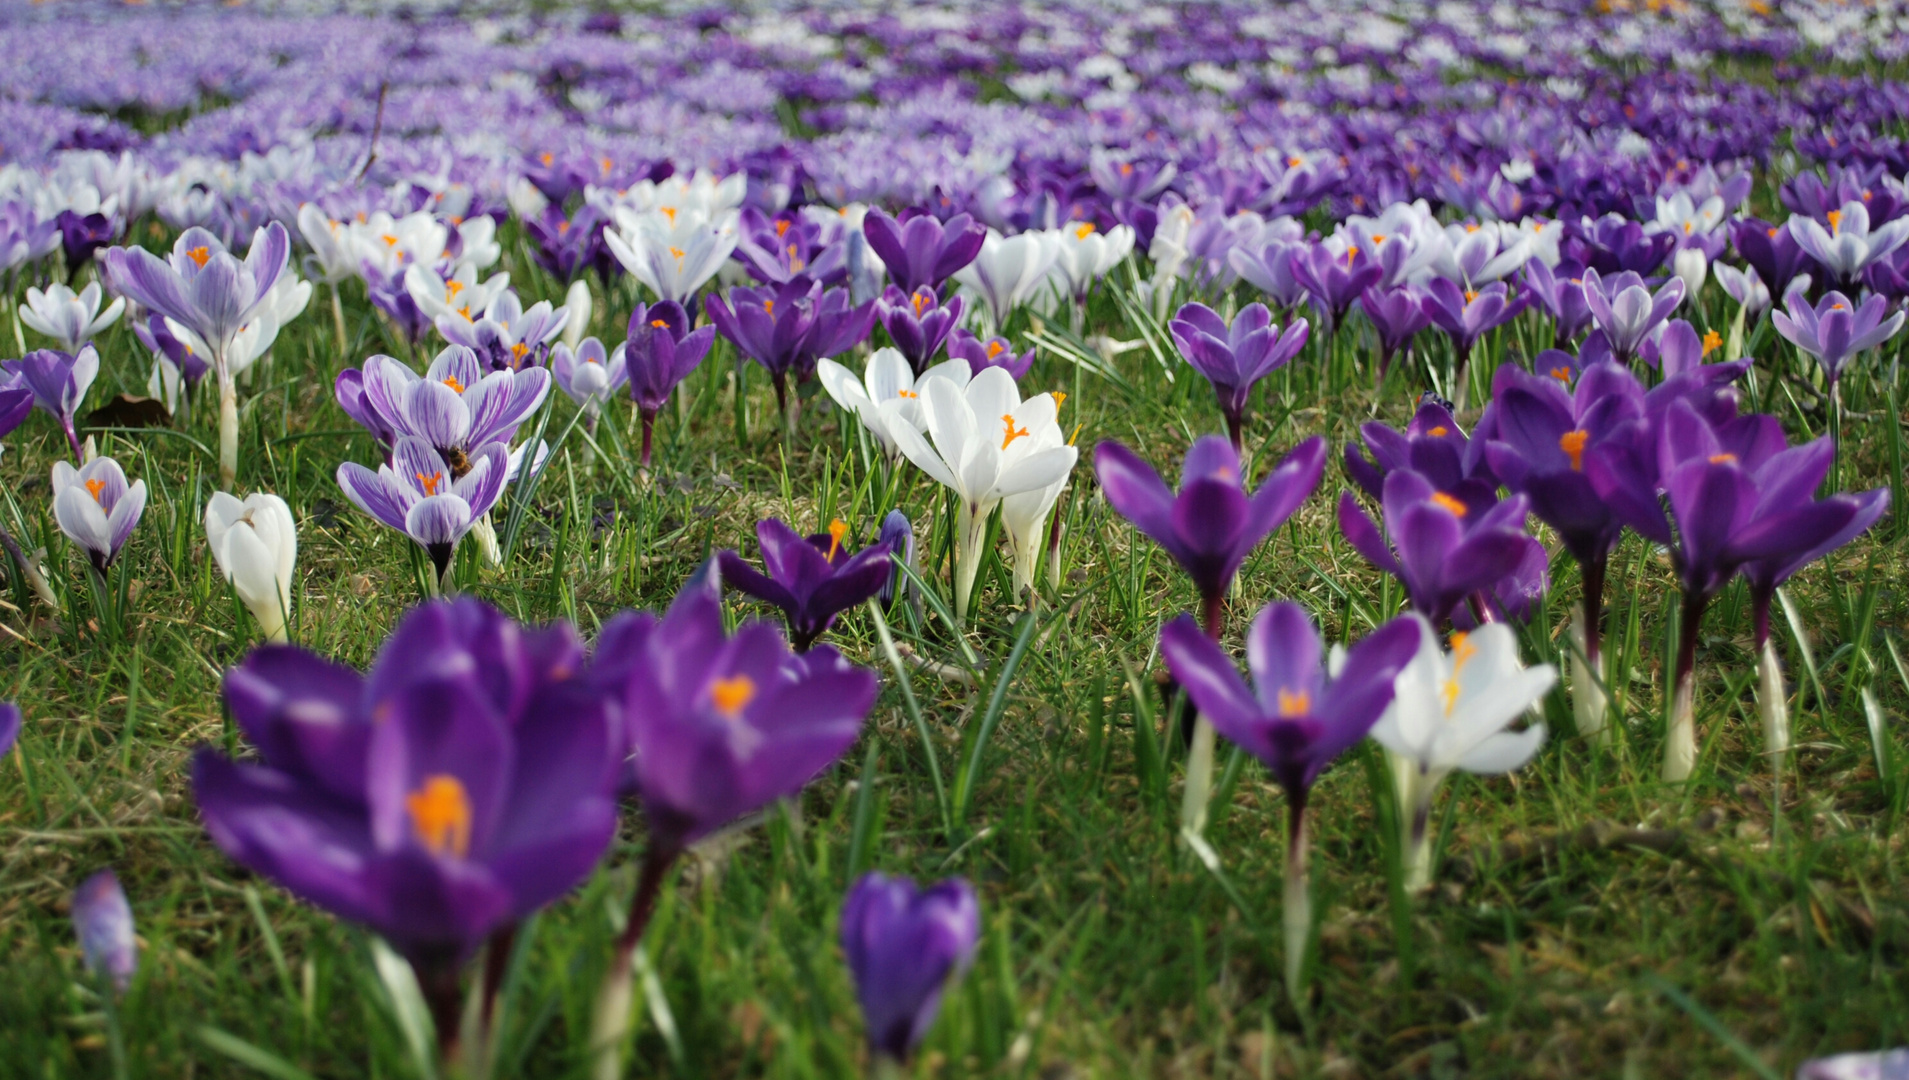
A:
811, 579
1625, 310
1452, 711
786, 328
103, 923
1462, 555
1397, 315
58, 383
464, 782
417, 494
661, 352
1235, 358
1432, 445
589, 376
920, 251
715, 727
1298, 715
255, 543
903, 945
1559, 291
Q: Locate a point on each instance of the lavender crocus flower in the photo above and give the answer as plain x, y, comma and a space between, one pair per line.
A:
1335, 278
421, 496
1772, 251
1465, 315
96, 508
1560, 292
660, 352
1448, 549
920, 251
812, 579
1397, 315
903, 943
1433, 445
1849, 245
587, 376
1235, 358
58, 383
918, 323
1299, 715
464, 782
994, 352
1268, 267
456, 406
1625, 310
1212, 524
507, 337
1836, 328
70, 319
103, 923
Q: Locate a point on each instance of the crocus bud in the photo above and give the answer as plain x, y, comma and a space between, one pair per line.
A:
103, 921
899, 535
255, 543
9, 726
1869, 1065
902, 944
1690, 265
577, 301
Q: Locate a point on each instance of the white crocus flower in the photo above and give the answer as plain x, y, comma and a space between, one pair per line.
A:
477, 243
1743, 286
1680, 215
334, 256
888, 394
1009, 269
393, 245
1848, 246
1086, 255
460, 295
1475, 255
1024, 516
255, 543
1451, 711
673, 251
985, 444
70, 318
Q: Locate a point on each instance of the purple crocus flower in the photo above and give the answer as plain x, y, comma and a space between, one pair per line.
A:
1433, 445
918, 323
994, 352
349, 391
1335, 278
81, 235
1836, 328
16, 404
1397, 315
1446, 548
588, 376
418, 493
202, 286
58, 383
10, 722
456, 406
1235, 358
898, 535
103, 923
776, 250
661, 352
1625, 310
96, 508
902, 944
1212, 524
159, 340
1465, 315
812, 579
1772, 252
786, 328
1295, 718
1614, 244
1560, 292
920, 251
464, 782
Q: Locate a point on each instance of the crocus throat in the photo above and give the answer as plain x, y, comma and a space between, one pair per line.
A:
732, 695
441, 815
1453, 506
837, 529
1013, 432
1572, 443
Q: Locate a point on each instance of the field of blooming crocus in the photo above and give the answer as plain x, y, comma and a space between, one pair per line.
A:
1186, 540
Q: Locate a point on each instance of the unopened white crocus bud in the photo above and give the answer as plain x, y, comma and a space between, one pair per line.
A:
1691, 265
255, 543
577, 301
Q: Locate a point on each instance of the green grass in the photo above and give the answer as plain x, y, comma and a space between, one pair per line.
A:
1758, 934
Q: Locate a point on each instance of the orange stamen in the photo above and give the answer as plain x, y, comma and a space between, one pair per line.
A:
94, 487
1293, 702
1453, 506
200, 254
1712, 341
451, 381
1013, 432
441, 815
837, 529
1572, 443
732, 695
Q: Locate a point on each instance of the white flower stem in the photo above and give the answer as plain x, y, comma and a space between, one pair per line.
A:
1590, 704
971, 531
1774, 707
228, 430
338, 324
1418, 844
1199, 777
1296, 904
1680, 743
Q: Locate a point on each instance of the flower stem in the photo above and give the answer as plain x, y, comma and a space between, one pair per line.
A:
1680, 747
228, 429
971, 529
1213, 615
41, 587
1418, 841
1773, 705
437, 981
1296, 905
612, 1021
338, 323
649, 428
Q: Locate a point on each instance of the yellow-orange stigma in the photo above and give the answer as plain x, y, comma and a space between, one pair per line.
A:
768, 307
670, 213
1462, 650
732, 695
1687, 227
1013, 432
430, 483
1084, 230
1293, 702
781, 228
389, 240
1470, 295
451, 289
659, 324
1835, 219
1060, 398
1562, 374
1439, 432
1712, 341
94, 487
441, 815
1450, 694
1723, 459
679, 253
994, 349
451, 381
837, 529
519, 351
1451, 505
1126, 169
1572, 443
906, 393
1377, 239
921, 301
199, 255
548, 158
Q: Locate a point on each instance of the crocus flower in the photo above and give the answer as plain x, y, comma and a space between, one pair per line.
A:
10, 722
1745, 287
204, 288
898, 534
1212, 524
786, 328
68, 318
1836, 328
1433, 445
1397, 315
506, 336
1474, 256
587, 376
1299, 714
421, 496
1613, 244
888, 393
1086, 256
458, 296
81, 235
920, 251
777, 249
994, 352
96, 509
103, 923
177, 369
569, 247
456, 406
1451, 711
16, 404
903, 944
1334, 278
674, 254
1234, 358
1560, 292
58, 383
255, 543
660, 352
1866, 1065
918, 323
1849, 245
1625, 310
1772, 251
1268, 266
464, 782
1447, 549
1467, 315
1024, 519
1008, 269
812, 579
984, 443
